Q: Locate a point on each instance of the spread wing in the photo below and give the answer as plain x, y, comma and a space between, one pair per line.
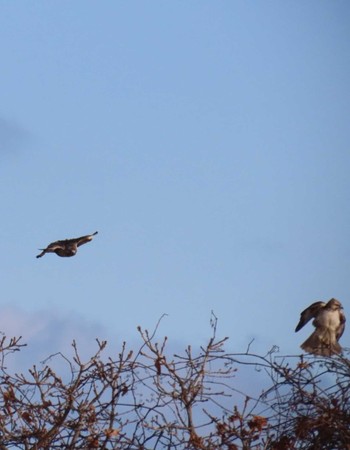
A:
75, 241
51, 248
59, 244
309, 313
84, 239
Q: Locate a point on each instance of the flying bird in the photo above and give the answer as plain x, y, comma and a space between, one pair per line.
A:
67, 247
329, 321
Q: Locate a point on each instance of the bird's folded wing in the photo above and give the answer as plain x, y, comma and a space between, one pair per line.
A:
341, 327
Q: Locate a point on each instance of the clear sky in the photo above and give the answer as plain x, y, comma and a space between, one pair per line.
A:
207, 142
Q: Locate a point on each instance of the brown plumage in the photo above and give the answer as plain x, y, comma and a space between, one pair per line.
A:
329, 321
67, 247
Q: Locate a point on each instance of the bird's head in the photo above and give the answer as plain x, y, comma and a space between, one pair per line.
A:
334, 304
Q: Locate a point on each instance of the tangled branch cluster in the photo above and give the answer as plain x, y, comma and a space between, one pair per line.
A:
153, 400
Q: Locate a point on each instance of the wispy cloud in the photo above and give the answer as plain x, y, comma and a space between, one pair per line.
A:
47, 333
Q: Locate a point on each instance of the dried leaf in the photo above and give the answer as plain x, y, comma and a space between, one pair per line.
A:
111, 432
257, 423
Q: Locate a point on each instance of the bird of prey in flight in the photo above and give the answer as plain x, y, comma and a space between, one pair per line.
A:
329, 321
67, 247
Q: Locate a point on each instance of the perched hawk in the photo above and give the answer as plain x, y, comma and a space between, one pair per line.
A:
329, 321
68, 247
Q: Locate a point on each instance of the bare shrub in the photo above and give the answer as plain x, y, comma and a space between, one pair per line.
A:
150, 399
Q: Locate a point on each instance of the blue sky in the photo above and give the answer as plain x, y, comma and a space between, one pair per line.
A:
207, 142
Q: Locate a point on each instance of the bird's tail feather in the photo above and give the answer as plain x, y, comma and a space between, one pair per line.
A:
322, 342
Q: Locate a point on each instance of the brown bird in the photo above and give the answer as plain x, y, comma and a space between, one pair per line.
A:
329, 321
67, 247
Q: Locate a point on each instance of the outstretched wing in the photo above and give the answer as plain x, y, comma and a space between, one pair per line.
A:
51, 248
84, 239
309, 313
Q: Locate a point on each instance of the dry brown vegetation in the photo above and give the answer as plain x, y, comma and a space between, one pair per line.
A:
152, 399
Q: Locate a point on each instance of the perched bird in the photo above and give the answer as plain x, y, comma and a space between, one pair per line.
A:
67, 247
329, 321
